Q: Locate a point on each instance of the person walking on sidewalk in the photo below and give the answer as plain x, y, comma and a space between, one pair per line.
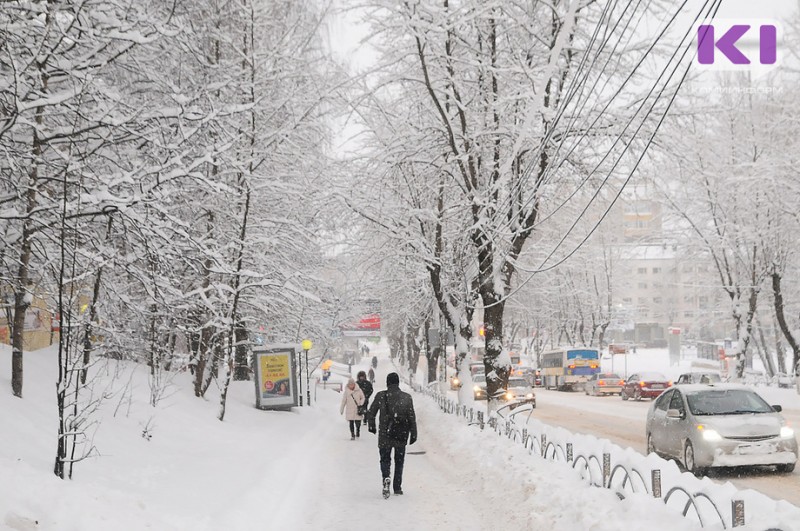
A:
366, 387
352, 402
398, 427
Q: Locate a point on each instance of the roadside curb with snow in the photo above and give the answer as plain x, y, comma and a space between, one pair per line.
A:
704, 502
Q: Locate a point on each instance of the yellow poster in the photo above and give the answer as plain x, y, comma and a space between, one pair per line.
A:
275, 375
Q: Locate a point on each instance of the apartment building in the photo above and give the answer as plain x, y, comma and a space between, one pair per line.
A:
662, 284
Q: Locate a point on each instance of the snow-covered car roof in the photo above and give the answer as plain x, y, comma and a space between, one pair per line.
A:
696, 388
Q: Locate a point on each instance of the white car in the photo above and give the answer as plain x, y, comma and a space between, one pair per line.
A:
519, 390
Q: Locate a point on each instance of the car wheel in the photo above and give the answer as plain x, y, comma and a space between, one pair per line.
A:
786, 469
651, 449
689, 462
586, 391
637, 395
623, 395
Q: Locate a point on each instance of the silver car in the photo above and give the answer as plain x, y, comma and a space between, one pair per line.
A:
606, 383
519, 390
719, 425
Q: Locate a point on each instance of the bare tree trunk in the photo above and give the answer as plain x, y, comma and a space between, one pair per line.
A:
241, 370
87, 332
493, 326
779, 315
205, 332
779, 352
172, 337
415, 349
431, 354
63, 360
601, 335
237, 279
744, 330
215, 356
763, 351
22, 294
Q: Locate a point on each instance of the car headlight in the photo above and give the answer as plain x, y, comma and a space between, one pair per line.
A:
509, 396
711, 435
455, 381
476, 389
529, 395
787, 432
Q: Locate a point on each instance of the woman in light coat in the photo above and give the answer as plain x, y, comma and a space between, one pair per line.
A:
352, 397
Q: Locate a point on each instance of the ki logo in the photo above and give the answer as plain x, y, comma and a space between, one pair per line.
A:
723, 37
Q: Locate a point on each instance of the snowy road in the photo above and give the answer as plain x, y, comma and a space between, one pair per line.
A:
623, 422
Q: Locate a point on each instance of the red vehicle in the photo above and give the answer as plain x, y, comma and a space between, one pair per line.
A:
645, 385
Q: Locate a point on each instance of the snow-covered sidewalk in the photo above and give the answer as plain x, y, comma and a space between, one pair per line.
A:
339, 484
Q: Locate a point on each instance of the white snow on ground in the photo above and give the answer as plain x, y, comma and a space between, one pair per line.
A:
278, 470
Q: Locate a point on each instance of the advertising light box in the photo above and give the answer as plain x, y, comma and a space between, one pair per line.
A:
275, 372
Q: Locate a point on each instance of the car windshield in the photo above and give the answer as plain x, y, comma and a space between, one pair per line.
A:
727, 402
652, 377
608, 376
517, 382
479, 378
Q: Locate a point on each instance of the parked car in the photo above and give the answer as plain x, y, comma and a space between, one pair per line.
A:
719, 425
698, 378
606, 383
644, 385
784, 380
519, 390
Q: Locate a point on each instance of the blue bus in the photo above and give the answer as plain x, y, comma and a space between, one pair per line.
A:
567, 368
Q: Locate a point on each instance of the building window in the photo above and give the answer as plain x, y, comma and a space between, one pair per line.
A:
642, 270
656, 300
627, 300
656, 270
642, 285
642, 301
687, 313
657, 285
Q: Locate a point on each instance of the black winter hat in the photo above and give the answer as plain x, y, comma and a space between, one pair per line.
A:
392, 379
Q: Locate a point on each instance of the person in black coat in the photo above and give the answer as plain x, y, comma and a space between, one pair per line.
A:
398, 427
365, 385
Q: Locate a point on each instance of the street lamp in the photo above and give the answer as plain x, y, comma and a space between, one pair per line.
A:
306, 347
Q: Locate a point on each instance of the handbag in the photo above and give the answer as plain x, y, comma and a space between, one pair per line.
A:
360, 409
